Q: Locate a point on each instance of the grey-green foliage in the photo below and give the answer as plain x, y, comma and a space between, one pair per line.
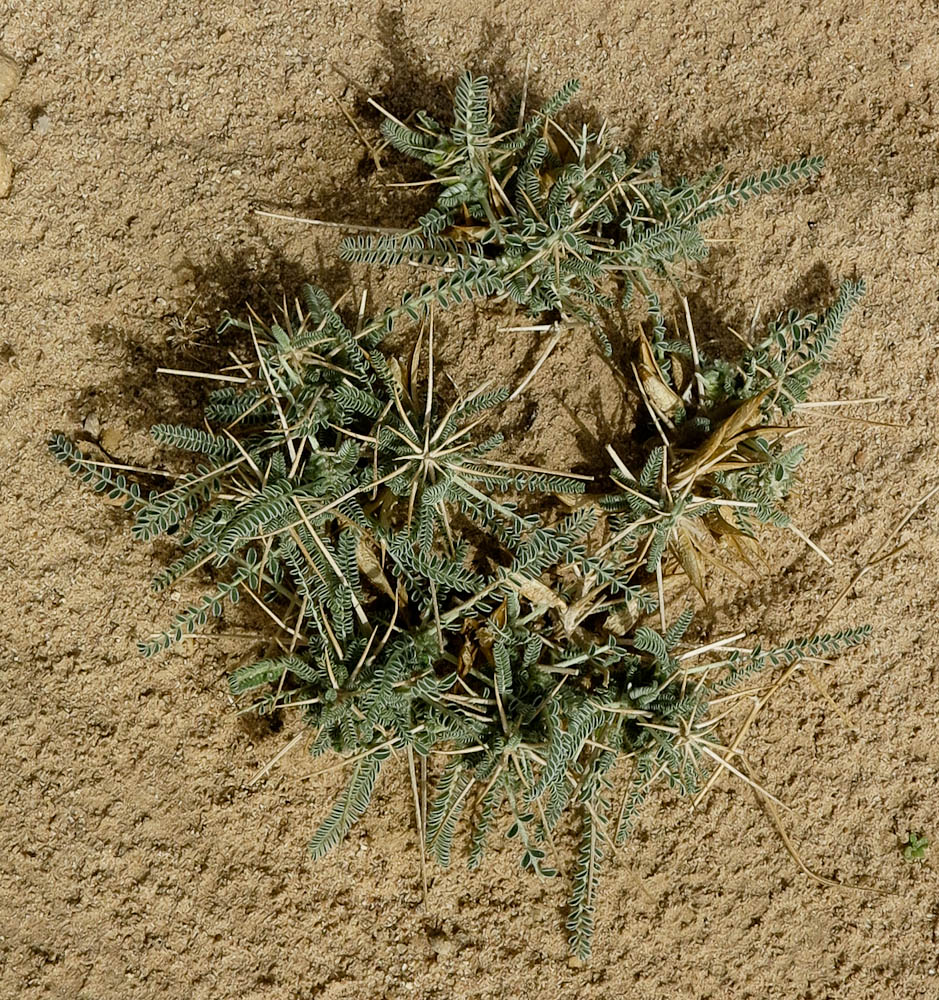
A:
336, 439
785, 362
730, 467
553, 217
100, 478
428, 606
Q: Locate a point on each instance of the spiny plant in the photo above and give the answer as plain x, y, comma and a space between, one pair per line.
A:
723, 466
320, 439
424, 609
550, 216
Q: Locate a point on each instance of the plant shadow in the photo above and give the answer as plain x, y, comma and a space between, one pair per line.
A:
194, 341
812, 292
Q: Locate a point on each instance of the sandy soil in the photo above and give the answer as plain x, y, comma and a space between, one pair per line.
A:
134, 861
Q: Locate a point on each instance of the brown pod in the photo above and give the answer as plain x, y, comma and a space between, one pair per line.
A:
9, 76
6, 173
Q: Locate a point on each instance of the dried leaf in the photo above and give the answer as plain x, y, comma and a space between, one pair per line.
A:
394, 366
540, 594
679, 374
718, 525
716, 453
621, 621
370, 567
470, 233
687, 554
665, 400
577, 612
467, 657
484, 645
415, 365
479, 637
748, 549
747, 420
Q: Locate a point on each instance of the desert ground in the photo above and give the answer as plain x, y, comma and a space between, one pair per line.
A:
135, 859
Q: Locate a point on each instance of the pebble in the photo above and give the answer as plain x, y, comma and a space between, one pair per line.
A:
9, 76
110, 440
6, 173
445, 948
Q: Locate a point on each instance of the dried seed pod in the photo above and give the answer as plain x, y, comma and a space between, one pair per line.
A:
6, 173
9, 76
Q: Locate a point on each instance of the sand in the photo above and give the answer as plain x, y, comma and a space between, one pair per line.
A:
135, 861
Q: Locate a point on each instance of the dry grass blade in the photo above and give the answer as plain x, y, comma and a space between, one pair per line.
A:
348, 226
420, 820
372, 152
769, 807
877, 558
284, 750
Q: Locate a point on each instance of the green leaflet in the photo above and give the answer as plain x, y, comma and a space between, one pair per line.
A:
560, 214
350, 804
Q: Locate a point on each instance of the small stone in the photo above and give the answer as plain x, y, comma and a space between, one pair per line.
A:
6, 173
9, 76
92, 425
576, 963
110, 440
42, 124
444, 948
